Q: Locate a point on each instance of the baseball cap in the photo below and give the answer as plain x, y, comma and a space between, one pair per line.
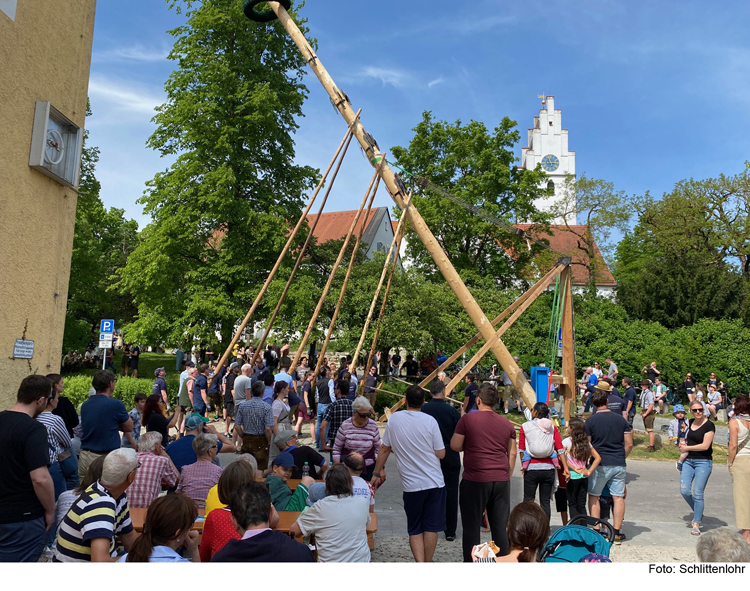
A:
233, 365
284, 459
158, 370
281, 439
190, 364
195, 421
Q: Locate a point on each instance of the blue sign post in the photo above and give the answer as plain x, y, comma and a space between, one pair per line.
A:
107, 326
106, 336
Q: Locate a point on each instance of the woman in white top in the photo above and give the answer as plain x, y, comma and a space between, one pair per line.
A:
339, 521
738, 461
281, 415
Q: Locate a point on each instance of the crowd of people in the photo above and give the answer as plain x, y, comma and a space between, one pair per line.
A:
73, 476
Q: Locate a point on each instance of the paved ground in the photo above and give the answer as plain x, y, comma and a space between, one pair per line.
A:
657, 518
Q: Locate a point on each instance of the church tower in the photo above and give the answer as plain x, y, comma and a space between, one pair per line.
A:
548, 146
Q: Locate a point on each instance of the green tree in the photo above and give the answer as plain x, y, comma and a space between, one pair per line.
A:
602, 209
102, 241
674, 288
221, 212
478, 166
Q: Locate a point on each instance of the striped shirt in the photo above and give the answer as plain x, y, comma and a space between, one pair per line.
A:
95, 515
154, 472
197, 479
57, 434
364, 440
254, 416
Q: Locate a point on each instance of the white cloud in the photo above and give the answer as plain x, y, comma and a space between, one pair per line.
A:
134, 53
435, 82
123, 95
393, 76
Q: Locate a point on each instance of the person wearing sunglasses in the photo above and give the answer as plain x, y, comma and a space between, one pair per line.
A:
696, 469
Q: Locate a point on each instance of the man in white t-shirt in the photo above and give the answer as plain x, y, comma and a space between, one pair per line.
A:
355, 462
416, 440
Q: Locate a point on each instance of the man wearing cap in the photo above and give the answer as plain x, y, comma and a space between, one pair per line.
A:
282, 497
181, 451
200, 390
648, 412
254, 426
228, 389
302, 454
614, 402
336, 413
160, 386
184, 374
628, 400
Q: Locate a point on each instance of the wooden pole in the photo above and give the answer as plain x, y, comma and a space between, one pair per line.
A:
328, 284
398, 236
536, 290
347, 136
372, 192
568, 345
477, 337
397, 191
300, 257
375, 296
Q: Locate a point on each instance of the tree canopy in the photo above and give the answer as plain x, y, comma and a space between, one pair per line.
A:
221, 211
478, 166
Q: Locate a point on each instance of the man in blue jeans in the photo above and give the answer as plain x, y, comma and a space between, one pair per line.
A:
323, 396
27, 494
612, 437
591, 380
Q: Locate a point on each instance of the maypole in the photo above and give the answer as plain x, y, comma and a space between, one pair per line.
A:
396, 189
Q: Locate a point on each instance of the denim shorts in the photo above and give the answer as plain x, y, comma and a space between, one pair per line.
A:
611, 476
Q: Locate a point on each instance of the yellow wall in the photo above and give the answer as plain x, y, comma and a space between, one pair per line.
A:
45, 55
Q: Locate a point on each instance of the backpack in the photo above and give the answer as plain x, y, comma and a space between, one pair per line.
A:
538, 443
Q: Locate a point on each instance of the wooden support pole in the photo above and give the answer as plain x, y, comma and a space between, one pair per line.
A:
371, 192
537, 289
523, 302
477, 337
347, 136
398, 194
328, 284
375, 296
300, 257
568, 345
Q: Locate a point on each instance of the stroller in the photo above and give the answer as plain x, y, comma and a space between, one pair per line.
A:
571, 542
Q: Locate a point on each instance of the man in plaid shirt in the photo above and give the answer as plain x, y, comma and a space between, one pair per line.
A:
254, 424
336, 413
156, 471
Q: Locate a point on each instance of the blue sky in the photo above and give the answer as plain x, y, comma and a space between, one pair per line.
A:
652, 92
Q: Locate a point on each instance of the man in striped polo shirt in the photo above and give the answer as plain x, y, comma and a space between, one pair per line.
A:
87, 533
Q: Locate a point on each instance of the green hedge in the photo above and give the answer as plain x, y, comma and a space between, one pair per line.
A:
77, 389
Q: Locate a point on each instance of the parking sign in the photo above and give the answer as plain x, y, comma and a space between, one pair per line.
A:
107, 326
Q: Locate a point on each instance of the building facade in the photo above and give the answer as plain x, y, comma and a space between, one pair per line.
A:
548, 146
45, 57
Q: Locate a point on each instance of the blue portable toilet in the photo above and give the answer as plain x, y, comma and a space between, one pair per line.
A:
540, 382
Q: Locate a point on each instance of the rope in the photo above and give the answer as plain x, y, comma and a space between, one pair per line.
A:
425, 183
348, 135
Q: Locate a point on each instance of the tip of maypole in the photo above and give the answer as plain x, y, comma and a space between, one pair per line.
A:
264, 16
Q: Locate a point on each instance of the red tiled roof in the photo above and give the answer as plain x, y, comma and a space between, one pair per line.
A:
335, 224
565, 241
394, 223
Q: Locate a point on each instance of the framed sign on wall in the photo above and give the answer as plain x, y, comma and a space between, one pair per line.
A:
55, 145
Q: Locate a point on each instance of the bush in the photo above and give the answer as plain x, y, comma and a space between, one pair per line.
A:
77, 389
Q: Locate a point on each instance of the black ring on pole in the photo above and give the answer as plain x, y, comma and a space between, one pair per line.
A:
265, 16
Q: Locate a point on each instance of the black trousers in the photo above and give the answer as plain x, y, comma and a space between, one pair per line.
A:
576, 491
545, 481
451, 476
473, 499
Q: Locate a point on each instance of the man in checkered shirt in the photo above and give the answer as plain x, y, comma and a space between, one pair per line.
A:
198, 478
156, 471
336, 413
253, 423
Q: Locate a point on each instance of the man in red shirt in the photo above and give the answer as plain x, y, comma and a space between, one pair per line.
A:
488, 441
